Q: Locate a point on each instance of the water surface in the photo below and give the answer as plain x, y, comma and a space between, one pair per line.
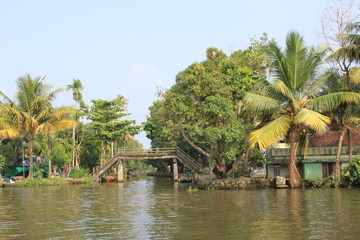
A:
157, 208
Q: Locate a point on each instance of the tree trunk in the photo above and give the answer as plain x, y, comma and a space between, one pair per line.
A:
245, 161
220, 169
338, 154
292, 164
31, 161
102, 155
74, 148
350, 145
49, 156
112, 150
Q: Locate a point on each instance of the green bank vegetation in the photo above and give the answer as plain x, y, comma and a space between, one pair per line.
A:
223, 111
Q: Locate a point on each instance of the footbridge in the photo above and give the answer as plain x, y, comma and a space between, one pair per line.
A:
176, 154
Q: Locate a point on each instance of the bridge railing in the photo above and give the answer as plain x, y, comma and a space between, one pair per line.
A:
148, 151
188, 160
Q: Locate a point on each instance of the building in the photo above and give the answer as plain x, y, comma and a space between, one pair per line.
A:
320, 159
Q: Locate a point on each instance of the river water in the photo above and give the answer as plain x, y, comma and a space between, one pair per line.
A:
157, 208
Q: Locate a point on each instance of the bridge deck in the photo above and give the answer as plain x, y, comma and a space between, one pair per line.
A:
164, 153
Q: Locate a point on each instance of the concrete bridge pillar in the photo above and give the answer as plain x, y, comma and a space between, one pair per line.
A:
175, 170
120, 170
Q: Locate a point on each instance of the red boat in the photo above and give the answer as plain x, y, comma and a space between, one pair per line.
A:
109, 180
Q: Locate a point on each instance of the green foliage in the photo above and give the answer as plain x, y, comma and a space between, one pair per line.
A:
202, 109
2, 162
257, 159
38, 182
316, 182
81, 173
192, 189
331, 181
88, 180
90, 150
105, 116
353, 170
60, 155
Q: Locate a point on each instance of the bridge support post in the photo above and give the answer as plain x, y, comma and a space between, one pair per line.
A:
175, 170
120, 170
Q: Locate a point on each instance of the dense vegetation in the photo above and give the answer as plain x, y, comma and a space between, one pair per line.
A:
223, 111
44, 137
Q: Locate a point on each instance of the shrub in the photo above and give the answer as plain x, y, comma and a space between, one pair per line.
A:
81, 173
316, 182
37, 182
353, 170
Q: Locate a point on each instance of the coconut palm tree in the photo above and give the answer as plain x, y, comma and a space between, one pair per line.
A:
76, 87
346, 117
292, 97
55, 120
24, 116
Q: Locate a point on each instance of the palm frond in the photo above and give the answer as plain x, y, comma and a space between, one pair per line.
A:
270, 133
9, 133
280, 86
331, 101
279, 65
355, 76
259, 103
313, 119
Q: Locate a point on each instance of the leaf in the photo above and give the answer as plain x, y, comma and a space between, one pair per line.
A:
313, 119
270, 133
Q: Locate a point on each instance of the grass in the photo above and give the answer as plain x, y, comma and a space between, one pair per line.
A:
37, 182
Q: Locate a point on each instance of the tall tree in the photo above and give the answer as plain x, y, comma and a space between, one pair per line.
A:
25, 115
54, 120
291, 95
339, 30
106, 121
76, 88
203, 107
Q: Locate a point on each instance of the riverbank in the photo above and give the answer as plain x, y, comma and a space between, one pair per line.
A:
37, 182
206, 182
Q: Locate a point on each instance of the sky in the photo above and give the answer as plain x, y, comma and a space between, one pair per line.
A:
133, 48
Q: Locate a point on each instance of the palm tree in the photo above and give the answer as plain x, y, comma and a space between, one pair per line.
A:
76, 87
292, 97
55, 120
346, 117
24, 116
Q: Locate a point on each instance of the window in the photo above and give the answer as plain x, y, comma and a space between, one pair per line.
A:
327, 169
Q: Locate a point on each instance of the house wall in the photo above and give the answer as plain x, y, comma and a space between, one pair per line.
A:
284, 172
312, 170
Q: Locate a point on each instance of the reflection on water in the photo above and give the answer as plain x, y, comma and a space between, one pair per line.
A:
157, 208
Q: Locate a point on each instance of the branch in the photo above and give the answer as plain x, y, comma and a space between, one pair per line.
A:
197, 148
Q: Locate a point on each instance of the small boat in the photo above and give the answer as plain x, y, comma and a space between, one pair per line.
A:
111, 179
185, 178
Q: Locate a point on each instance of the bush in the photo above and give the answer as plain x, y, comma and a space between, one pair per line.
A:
353, 170
316, 182
37, 182
81, 173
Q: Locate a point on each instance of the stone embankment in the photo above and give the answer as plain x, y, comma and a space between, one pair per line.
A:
205, 182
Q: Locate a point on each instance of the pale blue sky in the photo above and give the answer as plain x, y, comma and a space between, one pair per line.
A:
132, 47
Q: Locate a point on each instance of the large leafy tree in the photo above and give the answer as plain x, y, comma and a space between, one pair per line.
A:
107, 123
203, 108
291, 95
26, 115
